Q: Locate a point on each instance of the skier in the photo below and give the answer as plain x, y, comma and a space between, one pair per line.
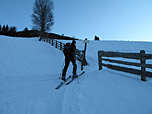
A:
70, 55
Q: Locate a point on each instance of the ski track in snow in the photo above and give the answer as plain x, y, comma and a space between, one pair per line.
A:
76, 98
29, 75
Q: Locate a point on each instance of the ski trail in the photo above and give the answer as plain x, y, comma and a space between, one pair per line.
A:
71, 100
76, 98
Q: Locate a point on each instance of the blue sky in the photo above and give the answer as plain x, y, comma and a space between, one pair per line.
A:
108, 19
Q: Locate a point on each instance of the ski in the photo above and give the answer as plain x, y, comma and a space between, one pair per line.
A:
62, 83
75, 78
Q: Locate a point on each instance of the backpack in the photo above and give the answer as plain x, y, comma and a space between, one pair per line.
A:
67, 49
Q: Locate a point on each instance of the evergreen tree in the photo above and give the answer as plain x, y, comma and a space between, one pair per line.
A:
6, 30
3, 30
25, 29
26, 32
12, 31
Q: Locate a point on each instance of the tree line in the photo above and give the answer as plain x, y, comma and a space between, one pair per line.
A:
12, 31
6, 30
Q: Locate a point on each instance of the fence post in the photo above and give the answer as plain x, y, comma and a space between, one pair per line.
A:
84, 52
142, 62
82, 61
60, 46
49, 40
100, 60
56, 44
52, 42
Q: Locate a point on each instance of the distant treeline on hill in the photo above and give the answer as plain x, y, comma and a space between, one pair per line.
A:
12, 31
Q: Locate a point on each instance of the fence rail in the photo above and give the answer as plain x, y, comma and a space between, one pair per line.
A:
59, 45
142, 57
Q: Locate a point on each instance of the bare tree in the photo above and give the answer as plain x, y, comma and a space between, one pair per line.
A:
42, 16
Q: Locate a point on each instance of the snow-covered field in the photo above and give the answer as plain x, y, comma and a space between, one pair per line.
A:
29, 72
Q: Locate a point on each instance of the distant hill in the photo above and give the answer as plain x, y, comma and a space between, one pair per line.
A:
28, 33
36, 33
56, 36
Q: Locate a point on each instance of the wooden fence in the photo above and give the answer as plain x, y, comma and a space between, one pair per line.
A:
59, 45
142, 57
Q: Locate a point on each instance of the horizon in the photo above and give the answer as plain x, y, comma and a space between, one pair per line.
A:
109, 20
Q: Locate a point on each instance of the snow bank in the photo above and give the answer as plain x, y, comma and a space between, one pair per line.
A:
30, 69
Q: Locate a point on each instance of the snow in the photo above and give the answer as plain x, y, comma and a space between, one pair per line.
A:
30, 70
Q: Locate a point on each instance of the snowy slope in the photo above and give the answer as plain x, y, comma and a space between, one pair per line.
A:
28, 76
29, 72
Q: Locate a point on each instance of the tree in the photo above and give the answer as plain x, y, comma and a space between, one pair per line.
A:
25, 29
3, 30
42, 16
26, 32
7, 28
12, 31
